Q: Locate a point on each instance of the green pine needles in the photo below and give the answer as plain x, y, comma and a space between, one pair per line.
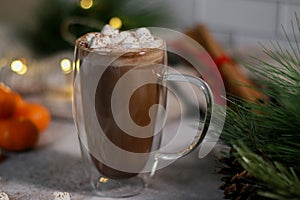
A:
266, 136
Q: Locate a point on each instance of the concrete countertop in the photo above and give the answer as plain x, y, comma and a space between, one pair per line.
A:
55, 165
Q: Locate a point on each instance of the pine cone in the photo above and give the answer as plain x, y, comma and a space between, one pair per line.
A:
238, 184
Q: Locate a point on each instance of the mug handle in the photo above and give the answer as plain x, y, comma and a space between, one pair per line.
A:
200, 135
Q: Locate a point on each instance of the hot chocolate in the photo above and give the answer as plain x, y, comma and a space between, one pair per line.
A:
131, 50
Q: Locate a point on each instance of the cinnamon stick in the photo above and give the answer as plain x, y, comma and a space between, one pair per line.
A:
236, 83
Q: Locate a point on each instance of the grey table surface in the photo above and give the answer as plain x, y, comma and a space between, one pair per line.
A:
55, 165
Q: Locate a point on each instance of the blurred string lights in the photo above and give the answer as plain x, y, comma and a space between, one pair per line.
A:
69, 19
115, 22
20, 67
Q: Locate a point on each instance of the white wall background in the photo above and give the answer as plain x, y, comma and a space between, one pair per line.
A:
238, 23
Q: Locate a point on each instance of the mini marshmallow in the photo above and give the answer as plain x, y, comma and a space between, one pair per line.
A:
130, 40
109, 30
90, 36
146, 39
61, 196
116, 39
3, 196
142, 32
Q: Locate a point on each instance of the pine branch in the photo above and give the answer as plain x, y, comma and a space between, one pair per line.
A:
282, 183
266, 135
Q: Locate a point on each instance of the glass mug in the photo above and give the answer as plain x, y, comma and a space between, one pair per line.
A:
119, 108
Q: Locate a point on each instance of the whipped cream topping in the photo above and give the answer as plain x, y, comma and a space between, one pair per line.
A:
113, 40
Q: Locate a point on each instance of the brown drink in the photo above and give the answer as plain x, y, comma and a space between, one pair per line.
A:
147, 62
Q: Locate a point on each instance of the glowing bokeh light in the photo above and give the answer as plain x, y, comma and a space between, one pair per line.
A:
66, 66
19, 67
115, 22
86, 4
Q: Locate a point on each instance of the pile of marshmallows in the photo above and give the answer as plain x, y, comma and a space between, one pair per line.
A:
110, 39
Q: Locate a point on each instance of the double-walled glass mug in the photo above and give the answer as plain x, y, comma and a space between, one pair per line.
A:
119, 107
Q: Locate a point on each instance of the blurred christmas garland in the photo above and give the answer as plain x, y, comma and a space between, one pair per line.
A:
60, 22
264, 161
